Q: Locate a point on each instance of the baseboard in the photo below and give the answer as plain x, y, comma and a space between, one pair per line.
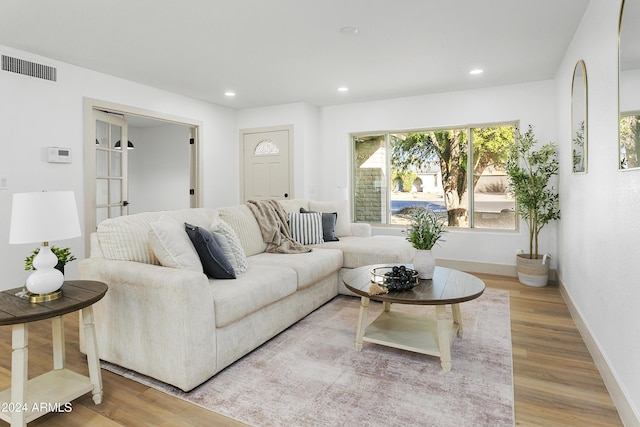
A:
486, 268
623, 404
478, 267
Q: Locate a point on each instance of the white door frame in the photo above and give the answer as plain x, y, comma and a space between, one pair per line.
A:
243, 132
91, 104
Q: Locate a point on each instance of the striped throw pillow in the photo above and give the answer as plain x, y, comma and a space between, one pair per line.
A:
306, 228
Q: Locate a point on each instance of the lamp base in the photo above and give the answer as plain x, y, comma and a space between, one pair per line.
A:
36, 298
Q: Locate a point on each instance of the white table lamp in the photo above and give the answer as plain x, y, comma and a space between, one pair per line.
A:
44, 217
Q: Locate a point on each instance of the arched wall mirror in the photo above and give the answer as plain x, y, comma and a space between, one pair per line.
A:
579, 118
629, 85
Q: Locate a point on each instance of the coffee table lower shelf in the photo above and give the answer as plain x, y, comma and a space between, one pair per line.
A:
414, 333
44, 392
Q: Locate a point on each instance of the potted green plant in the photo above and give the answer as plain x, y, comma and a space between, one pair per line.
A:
529, 171
64, 256
424, 231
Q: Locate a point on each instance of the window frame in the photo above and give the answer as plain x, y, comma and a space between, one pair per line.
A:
470, 190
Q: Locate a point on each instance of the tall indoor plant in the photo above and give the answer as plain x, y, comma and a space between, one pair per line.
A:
424, 231
530, 171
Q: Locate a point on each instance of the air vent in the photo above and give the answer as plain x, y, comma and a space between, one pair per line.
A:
28, 68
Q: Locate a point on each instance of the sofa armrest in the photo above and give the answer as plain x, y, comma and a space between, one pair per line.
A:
155, 320
166, 282
360, 229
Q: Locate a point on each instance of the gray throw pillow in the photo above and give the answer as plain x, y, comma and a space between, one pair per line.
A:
328, 225
214, 262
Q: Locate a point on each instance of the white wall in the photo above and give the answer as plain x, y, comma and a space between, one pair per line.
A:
158, 168
532, 103
599, 233
35, 114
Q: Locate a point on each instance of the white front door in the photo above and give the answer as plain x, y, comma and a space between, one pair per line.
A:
266, 164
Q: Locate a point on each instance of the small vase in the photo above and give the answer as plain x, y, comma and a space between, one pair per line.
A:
424, 263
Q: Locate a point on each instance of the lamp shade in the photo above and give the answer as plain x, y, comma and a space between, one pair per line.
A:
44, 217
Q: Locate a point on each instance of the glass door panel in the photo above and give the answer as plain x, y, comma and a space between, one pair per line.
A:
101, 214
116, 164
102, 133
116, 132
102, 162
110, 167
102, 191
115, 191
115, 212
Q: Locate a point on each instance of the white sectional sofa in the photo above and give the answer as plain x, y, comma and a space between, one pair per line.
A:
177, 325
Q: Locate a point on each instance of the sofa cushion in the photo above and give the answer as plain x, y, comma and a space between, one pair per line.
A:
294, 205
343, 221
172, 246
328, 225
310, 267
306, 228
361, 251
214, 262
246, 227
260, 286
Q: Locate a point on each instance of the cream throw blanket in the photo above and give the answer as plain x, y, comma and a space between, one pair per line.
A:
274, 226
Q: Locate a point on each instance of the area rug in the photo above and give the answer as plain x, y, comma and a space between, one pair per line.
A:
311, 375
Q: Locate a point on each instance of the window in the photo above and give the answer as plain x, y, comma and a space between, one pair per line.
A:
629, 140
457, 172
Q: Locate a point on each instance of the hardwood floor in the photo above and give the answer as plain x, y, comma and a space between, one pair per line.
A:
555, 380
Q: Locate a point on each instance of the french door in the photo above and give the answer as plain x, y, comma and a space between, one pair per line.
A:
109, 163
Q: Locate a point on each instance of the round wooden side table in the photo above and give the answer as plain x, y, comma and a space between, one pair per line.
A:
27, 400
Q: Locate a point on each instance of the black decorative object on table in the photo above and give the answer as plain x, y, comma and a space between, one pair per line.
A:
396, 278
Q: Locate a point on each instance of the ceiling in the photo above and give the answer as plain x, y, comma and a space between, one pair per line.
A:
273, 52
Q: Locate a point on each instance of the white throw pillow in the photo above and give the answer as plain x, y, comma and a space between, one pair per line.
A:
233, 249
306, 228
172, 246
241, 219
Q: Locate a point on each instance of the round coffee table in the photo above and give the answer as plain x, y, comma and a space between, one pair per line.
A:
409, 331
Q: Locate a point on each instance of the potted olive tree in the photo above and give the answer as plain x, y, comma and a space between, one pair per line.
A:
424, 231
529, 171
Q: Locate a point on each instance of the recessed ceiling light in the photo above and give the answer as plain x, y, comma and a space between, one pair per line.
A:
230, 94
343, 89
476, 71
349, 31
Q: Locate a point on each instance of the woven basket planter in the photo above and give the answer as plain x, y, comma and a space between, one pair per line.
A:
533, 272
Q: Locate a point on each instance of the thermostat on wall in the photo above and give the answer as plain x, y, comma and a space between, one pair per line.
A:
59, 155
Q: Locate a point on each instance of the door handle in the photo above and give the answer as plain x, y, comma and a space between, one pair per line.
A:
286, 195
125, 203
